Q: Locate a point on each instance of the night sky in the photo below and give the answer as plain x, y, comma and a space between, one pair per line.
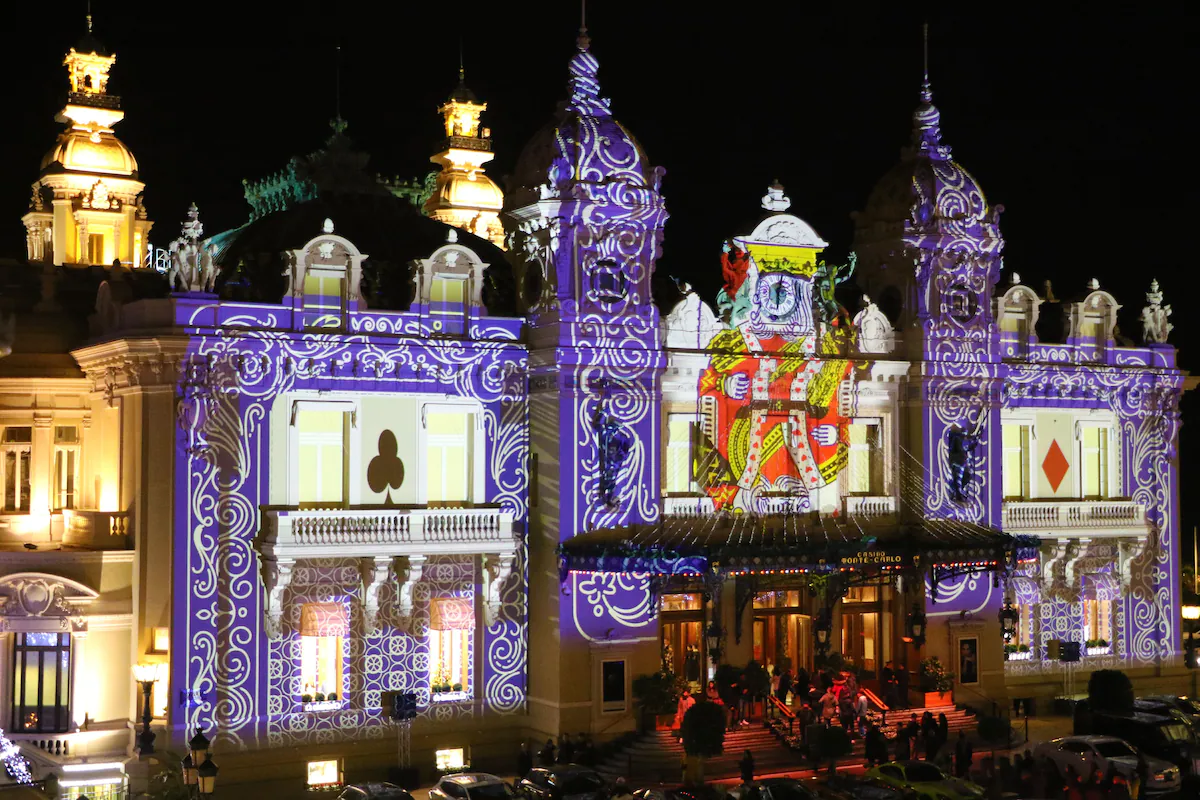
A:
1078, 125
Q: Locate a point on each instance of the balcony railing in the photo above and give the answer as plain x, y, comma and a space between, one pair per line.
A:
99, 530
1124, 516
869, 506
351, 532
687, 506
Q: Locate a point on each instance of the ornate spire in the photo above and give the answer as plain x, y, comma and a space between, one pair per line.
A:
927, 132
775, 200
583, 85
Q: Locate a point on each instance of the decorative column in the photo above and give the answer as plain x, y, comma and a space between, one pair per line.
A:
41, 464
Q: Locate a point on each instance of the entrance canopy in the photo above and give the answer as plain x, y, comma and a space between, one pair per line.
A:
745, 544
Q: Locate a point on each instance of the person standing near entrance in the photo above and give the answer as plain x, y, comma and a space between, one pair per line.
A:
962, 755
785, 686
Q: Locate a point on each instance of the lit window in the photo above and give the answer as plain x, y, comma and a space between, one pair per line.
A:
862, 594
323, 299
322, 438
161, 642
41, 682
450, 759
1094, 464
1024, 625
448, 456
15, 475
681, 432
451, 630
681, 602
865, 466
324, 773
1097, 619
95, 245
66, 466
447, 303
323, 626
1016, 461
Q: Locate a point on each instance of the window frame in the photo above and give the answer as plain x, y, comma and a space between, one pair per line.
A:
1110, 472
457, 316
23, 479
352, 448
694, 423
876, 461
1023, 450
1092, 618
477, 450
56, 489
467, 647
63, 694
321, 311
1032, 461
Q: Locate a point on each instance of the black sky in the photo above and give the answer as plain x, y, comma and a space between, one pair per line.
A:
1079, 123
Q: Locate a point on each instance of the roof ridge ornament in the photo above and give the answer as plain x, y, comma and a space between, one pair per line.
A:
927, 131
1155, 327
775, 200
583, 84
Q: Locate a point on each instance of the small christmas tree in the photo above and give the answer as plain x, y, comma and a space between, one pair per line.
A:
15, 764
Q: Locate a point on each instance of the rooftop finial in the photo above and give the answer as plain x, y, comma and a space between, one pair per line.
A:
462, 73
582, 41
89, 16
926, 89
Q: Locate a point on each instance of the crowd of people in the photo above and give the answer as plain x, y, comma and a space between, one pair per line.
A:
568, 750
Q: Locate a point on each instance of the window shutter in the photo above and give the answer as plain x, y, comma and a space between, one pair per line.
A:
324, 619
452, 614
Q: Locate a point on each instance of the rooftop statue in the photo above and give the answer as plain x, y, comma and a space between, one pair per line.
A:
1155, 327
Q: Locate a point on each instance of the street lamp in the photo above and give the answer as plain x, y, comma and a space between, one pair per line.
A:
822, 629
916, 625
714, 642
1009, 616
204, 776
1191, 615
146, 675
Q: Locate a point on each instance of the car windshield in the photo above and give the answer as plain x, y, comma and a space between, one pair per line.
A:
789, 792
1115, 749
581, 783
489, 791
923, 773
1175, 732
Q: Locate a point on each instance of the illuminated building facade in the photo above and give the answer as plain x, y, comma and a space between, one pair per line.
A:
348, 451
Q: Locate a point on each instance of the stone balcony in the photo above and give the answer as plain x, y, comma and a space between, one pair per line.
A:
97, 530
391, 546
870, 507
1093, 518
373, 531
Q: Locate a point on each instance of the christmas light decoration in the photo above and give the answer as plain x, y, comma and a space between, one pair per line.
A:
15, 764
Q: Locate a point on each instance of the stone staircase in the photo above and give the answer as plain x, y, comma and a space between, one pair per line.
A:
656, 757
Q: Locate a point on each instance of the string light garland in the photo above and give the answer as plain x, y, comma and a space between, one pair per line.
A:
15, 764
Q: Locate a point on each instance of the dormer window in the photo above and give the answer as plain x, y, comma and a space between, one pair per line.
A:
448, 303
324, 295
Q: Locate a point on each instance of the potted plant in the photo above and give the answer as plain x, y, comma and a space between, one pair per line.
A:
703, 734
657, 695
306, 698
936, 683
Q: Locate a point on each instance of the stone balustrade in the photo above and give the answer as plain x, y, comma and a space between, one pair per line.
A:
98, 530
1121, 517
688, 506
351, 532
869, 506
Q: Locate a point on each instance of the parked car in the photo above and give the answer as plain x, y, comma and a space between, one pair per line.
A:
1154, 735
1088, 754
776, 789
1162, 709
562, 782
707, 792
470, 786
841, 786
1187, 704
927, 780
374, 791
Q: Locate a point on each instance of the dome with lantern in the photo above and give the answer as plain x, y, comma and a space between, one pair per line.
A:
582, 143
928, 198
99, 152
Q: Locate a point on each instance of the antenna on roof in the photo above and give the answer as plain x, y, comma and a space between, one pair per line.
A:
582, 41
925, 48
89, 15
337, 82
462, 73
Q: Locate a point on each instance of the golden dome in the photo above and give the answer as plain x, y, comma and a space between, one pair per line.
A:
79, 151
466, 190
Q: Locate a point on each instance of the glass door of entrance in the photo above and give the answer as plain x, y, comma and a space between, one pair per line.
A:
681, 622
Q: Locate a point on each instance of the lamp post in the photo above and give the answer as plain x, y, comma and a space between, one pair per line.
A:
146, 675
916, 625
822, 629
199, 770
714, 642
1190, 612
1009, 616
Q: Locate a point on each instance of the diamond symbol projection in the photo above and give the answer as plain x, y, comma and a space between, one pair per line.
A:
1055, 465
